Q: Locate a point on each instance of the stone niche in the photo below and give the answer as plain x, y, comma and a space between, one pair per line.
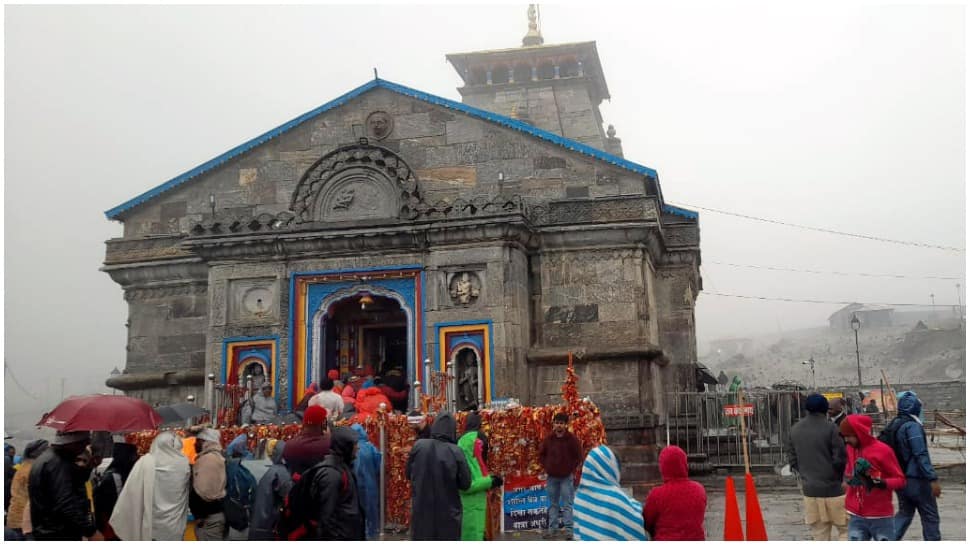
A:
465, 286
254, 300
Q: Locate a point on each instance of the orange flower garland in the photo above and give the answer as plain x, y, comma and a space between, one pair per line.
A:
514, 436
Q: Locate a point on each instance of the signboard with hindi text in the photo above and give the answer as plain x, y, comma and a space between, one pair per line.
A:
525, 504
738, 410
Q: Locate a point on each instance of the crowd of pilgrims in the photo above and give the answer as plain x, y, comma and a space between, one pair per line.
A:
323, 484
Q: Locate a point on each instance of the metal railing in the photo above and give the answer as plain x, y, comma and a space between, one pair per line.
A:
698, 423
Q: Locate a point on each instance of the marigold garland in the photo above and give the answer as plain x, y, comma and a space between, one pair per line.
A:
514, 436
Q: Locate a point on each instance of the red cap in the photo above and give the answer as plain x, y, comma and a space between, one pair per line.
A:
315, 415
333, 374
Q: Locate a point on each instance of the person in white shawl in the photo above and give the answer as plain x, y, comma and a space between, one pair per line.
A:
154, 502
602, 511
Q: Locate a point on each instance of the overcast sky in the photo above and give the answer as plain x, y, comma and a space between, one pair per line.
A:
846, 117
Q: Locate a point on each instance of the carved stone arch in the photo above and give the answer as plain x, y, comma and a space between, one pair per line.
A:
360, 181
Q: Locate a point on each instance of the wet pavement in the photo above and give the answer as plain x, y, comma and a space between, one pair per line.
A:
784, 518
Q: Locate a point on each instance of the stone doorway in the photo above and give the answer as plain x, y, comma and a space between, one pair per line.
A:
364, 330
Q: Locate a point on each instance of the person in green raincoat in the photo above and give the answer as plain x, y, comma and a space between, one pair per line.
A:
475, 498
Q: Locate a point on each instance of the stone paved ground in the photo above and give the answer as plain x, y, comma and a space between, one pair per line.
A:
782, 509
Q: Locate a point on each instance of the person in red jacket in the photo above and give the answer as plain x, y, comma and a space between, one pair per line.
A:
871, 474
369, 401
674, 511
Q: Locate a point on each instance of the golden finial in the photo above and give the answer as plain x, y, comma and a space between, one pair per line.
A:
533, 37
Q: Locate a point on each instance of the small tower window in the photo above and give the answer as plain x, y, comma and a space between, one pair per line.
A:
500, 74
522, 73
476, 77
547, 71
569, 69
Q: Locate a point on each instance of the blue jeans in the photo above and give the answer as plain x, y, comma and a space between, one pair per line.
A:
917, 495
863, 529
560, 491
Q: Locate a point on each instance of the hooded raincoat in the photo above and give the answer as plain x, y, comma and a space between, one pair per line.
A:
271, 491
911, 439
474, 500
367, 469
437, 470
877, 502
154, 503
674, 511
602, 511
334, 499
369, 401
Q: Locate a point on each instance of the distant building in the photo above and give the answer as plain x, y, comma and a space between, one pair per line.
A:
869, 315
730, 347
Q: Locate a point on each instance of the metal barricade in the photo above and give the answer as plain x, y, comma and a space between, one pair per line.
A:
705, 425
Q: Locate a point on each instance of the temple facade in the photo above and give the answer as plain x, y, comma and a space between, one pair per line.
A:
394, 228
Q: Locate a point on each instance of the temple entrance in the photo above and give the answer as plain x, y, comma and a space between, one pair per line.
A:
364, 331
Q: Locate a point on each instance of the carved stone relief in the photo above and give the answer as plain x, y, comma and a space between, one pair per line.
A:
253, 300
379, 125
464, 287
361, 181
358, 196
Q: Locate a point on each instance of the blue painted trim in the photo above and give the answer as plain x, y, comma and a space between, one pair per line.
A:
676, 210
354, 271
291, 363
289, 347
510, 123
277, 367
491, 345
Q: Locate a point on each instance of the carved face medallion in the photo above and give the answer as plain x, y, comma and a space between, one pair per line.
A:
379, 125
465, 288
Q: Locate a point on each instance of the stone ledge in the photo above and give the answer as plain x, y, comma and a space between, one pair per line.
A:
138, 381
560, 355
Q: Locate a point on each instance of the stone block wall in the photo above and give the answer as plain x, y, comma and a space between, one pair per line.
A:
453, 155
592, 297
561, 107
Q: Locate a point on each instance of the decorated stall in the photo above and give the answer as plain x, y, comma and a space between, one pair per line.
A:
514, 434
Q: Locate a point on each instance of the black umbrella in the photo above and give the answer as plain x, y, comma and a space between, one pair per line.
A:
180, 412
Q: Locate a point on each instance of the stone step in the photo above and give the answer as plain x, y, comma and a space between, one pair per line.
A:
635, 453
639, 472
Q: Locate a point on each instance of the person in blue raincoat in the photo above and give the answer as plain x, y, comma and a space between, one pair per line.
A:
367, 469
922, 483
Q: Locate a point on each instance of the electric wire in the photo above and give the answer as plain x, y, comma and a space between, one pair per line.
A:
824, 230
17, 382
838, 273
793, 300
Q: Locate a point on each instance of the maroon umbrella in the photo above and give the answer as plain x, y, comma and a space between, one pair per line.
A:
101, 412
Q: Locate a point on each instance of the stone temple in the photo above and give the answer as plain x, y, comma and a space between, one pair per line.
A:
393, 227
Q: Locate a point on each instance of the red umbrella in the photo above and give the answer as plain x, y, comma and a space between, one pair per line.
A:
101, 412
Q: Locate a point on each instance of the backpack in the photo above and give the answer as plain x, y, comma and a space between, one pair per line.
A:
295, 522
240, 493
888, 436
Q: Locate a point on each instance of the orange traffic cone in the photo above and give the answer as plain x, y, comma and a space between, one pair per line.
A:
732, 513
753, 517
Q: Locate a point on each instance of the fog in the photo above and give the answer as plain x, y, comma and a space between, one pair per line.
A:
847, 117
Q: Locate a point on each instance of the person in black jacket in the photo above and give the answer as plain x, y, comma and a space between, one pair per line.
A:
9, 452
271, 493
816, 453
106, 491
59, 506
336, 506
437, 470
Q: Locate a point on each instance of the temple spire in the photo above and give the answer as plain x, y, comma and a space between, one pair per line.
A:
533, 37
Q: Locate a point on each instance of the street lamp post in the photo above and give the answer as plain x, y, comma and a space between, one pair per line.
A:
811, 363
856, 324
